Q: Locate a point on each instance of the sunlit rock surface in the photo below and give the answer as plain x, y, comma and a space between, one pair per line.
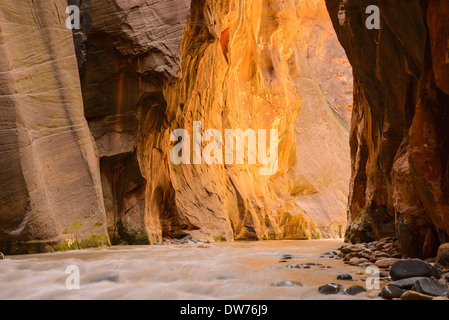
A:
50, 188
156, 67
146, 69
399, 136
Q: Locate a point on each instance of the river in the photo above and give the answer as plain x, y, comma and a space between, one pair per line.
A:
226, 270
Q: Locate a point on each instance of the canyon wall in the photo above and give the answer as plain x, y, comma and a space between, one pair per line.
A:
148, 68
399, 133
50, 188
153, 68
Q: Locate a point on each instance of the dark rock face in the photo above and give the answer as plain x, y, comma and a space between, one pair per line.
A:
399, 138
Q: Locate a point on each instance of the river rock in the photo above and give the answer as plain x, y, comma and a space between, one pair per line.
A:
287, 284
344, 276
410, 268
109, 277
406, 283
330, 288
352, 248
443, 261
385, 263
2, 256
391, 292
413, 295
430, 287
442, 249
354, 290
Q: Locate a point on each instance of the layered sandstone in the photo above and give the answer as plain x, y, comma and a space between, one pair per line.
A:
148, 68
399, 135
50, 188
156, 67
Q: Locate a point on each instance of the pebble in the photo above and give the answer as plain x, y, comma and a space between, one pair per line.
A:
344, 276
330, 288
354, 290
287, 284
391, 292
430, 287
410, 268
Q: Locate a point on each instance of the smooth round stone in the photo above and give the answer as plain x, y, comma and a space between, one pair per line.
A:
405, 284
330, 288
344, 276
391, 292
352, 291
443, 261
410, 268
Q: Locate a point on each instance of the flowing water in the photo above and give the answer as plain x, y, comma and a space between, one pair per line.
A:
228, 270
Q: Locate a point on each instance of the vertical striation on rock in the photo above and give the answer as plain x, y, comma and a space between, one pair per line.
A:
155, 67
50, 188
399, 136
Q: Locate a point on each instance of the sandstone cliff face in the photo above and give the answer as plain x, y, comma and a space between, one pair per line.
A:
399, 135
156, 67
50, 188
148, 68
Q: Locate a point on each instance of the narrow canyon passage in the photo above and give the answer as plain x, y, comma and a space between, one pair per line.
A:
224, 149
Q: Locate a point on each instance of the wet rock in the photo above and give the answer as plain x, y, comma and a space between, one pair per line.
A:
287, 284
413, 295
344, 276
332, 253
380, 275
445, 276
287, 257
354, 290
2, 256
410, 268
430, 287
391, 292
442, 249
435, 272
405, 284
313, 264
357, 261
202, 246
443, 261
385, 263
352, 248
109, 277
330, 288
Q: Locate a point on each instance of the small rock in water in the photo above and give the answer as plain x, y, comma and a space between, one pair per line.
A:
287, 257
410, 268
287, 284
413, 295
430, 287
330, 288
380, 275
110, 277
202, 246
354, 290
391, 292
313, 264
344, 276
